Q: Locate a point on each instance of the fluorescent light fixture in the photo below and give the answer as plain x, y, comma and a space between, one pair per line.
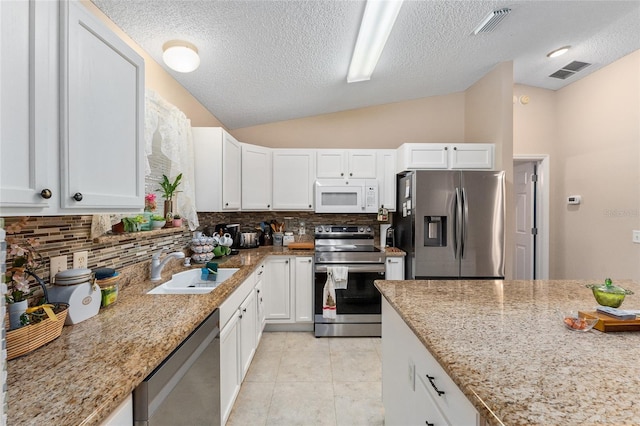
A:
180, 56
558, 52
377, 22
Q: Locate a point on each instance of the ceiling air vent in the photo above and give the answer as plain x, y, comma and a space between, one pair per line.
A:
569, 70
492, 20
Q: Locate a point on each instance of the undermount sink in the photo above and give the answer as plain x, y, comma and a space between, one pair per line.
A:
189, 282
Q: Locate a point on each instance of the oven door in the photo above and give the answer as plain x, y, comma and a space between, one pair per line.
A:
360, 301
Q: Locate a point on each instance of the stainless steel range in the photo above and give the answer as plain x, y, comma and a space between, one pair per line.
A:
357, 306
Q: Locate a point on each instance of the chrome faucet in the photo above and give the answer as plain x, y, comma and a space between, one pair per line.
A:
156, 265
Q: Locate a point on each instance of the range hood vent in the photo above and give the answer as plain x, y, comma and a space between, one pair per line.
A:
569, 70
491, 21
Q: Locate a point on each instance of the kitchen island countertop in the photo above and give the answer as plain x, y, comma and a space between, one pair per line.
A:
505, 345
82, 376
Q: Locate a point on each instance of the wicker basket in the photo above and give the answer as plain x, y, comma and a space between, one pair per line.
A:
25, 339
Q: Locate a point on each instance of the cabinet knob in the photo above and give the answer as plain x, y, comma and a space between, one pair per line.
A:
268, 206
446, 148
341, 174
350, 174
388, 260
226, 204
240, 316
309, 205
244, 310
258, 291
309, 260
261, 300
45, 193
77, 196
455, 149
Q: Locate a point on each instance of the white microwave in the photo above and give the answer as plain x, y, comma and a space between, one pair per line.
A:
346, 196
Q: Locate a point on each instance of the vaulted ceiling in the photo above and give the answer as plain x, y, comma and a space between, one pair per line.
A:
266, 61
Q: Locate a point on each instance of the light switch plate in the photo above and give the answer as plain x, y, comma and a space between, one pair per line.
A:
80, 259
636, 237
57, 264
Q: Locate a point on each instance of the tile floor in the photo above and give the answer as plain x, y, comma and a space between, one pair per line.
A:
297, 379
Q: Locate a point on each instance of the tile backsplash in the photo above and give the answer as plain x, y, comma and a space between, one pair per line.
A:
65, 235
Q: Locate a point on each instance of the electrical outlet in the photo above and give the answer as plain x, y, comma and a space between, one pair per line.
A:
636, 237
80, 259
57, 264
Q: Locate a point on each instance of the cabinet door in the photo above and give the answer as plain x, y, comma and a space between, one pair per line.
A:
293, 178
256, 177
260, 317
248, 324
27, 100
471, 156
278, 289
229, 366
423, 156
304, 289
394, 268
231, 172
362, 164
387, 178
331, 163
102, 115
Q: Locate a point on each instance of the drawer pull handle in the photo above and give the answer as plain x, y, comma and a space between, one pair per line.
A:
429, 424
440, 393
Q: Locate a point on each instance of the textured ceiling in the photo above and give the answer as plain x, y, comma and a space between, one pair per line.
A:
266, 61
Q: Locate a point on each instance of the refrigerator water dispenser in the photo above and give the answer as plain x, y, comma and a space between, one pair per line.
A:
435, 231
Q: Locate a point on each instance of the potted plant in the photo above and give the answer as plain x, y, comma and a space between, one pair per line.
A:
177, 221
169, 189
133, 224
22, 263
157, 221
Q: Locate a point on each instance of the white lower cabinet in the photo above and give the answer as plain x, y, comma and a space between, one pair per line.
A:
394, 268
415, 388
229, 366
248, 315
261, 318
289, 290
121, 416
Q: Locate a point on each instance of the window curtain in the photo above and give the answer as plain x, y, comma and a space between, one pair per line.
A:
163, 120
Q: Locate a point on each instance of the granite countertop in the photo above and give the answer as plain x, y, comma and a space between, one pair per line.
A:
505, 345
83, 375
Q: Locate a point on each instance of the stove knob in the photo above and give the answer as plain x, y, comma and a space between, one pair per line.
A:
327, 229
318, 229
368, 229
361, 229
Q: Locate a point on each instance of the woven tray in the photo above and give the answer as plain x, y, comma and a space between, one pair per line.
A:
26, 339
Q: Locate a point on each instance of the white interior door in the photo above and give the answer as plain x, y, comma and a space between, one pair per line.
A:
524, 205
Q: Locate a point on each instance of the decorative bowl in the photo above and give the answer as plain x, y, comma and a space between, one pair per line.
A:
157, 224
608, 294
574, 322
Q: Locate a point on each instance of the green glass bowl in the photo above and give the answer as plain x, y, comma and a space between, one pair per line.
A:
609, 295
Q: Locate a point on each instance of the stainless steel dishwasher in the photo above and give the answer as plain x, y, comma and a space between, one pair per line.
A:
185, 388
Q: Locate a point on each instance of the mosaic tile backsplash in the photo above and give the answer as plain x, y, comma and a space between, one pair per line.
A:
65, 235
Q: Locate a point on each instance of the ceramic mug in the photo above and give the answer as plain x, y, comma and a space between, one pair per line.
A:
215, 240
226, 240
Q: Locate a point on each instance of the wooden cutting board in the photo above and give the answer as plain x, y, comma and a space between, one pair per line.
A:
301, 246
607, 323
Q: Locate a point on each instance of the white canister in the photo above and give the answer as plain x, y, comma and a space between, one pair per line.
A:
83, 299
288, 238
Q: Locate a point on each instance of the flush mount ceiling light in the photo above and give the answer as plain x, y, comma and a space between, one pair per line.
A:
377, 22
558, 52
492, 20
180, 56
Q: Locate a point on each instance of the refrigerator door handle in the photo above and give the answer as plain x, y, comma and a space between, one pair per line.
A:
464, 220
457, 226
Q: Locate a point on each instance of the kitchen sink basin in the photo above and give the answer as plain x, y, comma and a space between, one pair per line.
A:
189, 282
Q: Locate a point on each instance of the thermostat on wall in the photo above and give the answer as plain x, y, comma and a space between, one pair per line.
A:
574, 199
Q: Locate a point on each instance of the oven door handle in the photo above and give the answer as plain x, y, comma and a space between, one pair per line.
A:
355, 268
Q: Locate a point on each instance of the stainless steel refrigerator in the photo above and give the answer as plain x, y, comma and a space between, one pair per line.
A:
451, 224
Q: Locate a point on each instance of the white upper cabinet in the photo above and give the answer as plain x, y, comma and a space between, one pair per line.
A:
102, 115
256, 177
72, 118
445, 156
293, 178
360, 163
27, 85
387, 178
218, 165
